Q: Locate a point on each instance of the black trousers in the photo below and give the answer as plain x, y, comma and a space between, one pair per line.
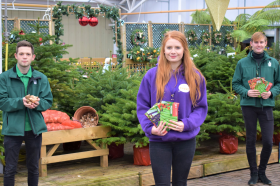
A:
179, 155
12, 146
266, 120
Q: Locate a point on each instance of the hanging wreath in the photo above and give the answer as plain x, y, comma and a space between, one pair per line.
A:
217, 37
228, 38
205, 37
163, 32
151, 53
191, 36
137, 54
138, 37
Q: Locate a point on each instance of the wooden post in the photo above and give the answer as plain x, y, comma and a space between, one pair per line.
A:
123, 35
182, 27
43, 167
104, 159
16, 23
150, 34
234, 40
210, 42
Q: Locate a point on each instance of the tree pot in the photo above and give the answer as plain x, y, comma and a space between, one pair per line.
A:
116, 151
141, 156
228, 144
276, 138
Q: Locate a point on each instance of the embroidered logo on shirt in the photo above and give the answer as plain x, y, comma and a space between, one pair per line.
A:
35, 82
269, 64
184, 88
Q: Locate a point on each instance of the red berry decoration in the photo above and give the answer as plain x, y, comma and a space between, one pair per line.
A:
93, 21
21, 32
83, 21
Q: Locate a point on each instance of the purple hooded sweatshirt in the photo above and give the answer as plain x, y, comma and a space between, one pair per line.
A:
192, 117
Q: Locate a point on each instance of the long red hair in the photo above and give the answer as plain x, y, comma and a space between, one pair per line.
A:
193, 75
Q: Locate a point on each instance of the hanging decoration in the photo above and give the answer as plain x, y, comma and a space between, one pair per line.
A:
205, 37
151, 53
137, 54
83, 21
138, 37
21, 32
93, 21
217, 37
79, 11
191, 36
228, 38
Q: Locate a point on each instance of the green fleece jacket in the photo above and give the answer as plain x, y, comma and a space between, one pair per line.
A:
246, 69
11, 93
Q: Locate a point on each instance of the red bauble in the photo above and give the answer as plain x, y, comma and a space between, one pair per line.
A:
93, 21
83, 21
21, 32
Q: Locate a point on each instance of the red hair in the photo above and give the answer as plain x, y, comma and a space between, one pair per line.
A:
192, 75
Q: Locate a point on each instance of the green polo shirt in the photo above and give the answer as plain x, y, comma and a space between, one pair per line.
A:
25, 79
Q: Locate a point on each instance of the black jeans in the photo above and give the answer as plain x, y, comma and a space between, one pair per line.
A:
266, 120
12, 146
179, 155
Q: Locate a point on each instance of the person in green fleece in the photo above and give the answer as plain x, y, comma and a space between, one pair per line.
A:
256, 106
23, 121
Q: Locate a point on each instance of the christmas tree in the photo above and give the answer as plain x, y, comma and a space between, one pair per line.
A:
61, 74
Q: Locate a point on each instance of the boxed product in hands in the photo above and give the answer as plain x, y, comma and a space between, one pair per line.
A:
163, 111
259, 83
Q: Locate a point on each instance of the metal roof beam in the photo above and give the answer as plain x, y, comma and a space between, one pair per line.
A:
134, 8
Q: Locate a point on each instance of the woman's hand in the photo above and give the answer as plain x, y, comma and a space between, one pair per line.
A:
176, 125
160, 130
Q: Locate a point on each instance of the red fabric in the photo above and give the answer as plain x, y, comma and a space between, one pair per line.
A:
276, 138
73, 124
228, 144
55, 116
141, 156
57, 126
116, 151
72, 145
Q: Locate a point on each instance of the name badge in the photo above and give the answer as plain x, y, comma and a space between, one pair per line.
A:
35, 82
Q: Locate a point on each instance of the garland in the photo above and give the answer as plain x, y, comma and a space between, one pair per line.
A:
138, 38
151, 53
228, 38
217, 37
110, 13
191, 36
137, 54
205, 37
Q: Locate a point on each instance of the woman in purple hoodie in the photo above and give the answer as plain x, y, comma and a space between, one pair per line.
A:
175, 79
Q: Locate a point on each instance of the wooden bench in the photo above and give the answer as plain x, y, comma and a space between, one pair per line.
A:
55, 138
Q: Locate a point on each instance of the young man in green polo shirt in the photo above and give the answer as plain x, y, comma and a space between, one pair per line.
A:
23, 121
256, 106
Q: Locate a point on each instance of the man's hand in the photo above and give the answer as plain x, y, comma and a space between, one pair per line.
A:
253, 93
32, 105
266, 95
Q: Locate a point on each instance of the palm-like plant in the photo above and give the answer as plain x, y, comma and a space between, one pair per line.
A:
203, 17
261, 20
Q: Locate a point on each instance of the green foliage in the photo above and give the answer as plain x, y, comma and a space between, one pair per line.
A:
201, 17
215, 67
113, 94
276, 115
79, 11
60, 74
247, 25
224, 114
274, 50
